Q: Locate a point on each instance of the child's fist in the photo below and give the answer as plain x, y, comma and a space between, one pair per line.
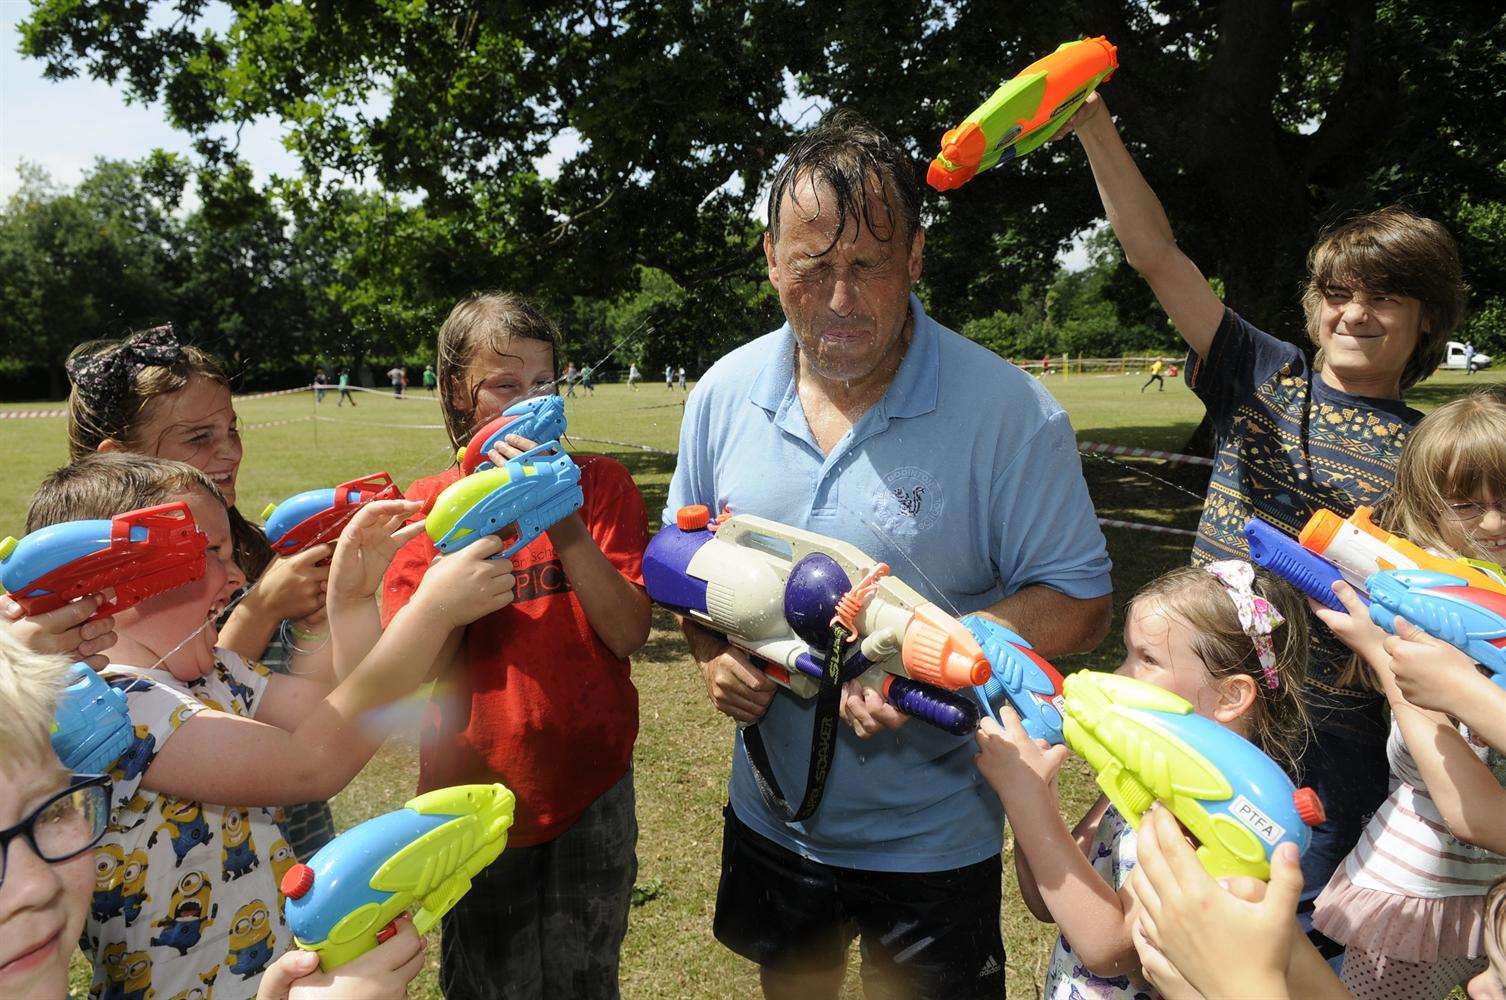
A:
1353, 626
467, 585
1430, 673
1011, 760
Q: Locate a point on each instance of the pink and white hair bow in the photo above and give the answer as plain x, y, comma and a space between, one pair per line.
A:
1256, 615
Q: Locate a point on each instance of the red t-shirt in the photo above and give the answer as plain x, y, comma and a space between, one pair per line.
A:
534, 699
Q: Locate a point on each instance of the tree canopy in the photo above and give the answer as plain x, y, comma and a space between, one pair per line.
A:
1257, 124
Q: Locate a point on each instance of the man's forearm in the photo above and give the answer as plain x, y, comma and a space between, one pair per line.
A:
1055, 624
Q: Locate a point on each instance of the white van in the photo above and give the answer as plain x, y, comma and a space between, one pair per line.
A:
1454, 358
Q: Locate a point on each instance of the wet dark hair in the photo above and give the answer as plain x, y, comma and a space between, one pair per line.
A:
847, 155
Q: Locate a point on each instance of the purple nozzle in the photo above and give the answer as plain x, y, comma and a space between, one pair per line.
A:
811, 594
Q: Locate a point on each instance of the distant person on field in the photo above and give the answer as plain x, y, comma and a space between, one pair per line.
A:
395, 376
570, 378
402, 382
429, 379
1046, 365
1155, 376
1384, 292
634, 376
345, 388
681, 374
669, 377
586, 383
1469, 358
320, 381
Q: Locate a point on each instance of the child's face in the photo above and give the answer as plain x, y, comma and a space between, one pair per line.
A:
1158, 650
1469, 523
196, 425
1368, 335
162, 621
496, 380
42, 904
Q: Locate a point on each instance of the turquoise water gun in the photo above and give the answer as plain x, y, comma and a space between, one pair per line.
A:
314, 517
541, 418
1471, 619
1148, 745
91, 728
1024, 112
1020, 677
343, 902
518, 500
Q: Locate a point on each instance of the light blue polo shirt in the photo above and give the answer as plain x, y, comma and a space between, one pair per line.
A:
965, 479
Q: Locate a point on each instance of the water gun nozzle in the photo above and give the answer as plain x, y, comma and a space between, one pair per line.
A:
298, 880
1309, 807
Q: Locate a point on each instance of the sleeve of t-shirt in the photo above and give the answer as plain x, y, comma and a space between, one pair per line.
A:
693, 480
156, 710
247, 681
618, 520
1241, 357
1045, 528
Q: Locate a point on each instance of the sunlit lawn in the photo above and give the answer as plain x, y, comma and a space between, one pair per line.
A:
683, 749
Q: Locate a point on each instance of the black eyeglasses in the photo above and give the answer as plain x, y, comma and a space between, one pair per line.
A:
66, 825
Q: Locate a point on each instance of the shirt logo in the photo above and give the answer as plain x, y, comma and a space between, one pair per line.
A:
910, 499
540, 580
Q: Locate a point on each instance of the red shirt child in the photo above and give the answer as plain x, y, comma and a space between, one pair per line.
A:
533, 698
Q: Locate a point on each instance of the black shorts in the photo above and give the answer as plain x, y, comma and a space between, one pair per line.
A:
921, 934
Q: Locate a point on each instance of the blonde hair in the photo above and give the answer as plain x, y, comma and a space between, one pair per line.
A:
1396, 251
30, 684
1279, 723
488, 319
104, 484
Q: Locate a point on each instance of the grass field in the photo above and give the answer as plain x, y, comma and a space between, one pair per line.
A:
682, 754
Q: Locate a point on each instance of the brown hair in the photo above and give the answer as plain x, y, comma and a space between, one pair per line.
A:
1396, 251
117, 408
104, 484
489, 319
1279, 723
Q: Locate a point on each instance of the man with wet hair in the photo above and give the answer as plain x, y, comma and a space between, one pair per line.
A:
864, 419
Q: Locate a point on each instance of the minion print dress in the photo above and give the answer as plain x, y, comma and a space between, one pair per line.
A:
185, 902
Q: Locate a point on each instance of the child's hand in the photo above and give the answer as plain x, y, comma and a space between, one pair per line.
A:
293, 586
1432, 674
508, 447
63, 630
1354, 627
1011, 760
463, 586
1092, 109
367, 545
1221, 943
383, 973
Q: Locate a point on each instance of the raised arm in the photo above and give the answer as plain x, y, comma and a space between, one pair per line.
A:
1140, 224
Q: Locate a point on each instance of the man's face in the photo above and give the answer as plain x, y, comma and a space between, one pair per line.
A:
847, 305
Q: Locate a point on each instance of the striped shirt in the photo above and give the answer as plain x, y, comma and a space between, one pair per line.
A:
1407, 850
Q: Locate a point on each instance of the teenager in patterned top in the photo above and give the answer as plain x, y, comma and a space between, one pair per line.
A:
1384, 292
1233, 643
186, 891
1408, 901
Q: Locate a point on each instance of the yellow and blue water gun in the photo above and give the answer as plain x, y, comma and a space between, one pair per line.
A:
541, 418
1444, 605
1148, 745
343, 902
314, 517
92, 727
132, 555
1023, 113
518, 500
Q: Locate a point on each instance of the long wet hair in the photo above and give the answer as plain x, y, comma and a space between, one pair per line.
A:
483, 319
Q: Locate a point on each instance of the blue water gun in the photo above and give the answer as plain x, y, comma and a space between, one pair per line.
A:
541, 418
1283, 555
1471, 619
1148, 745
1020, 677
92, 727
518, 500
314, 517
133, 555
343, 902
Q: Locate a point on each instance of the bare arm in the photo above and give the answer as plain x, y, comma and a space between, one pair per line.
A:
1140, 223
617, 609
1083, 833
1055, 624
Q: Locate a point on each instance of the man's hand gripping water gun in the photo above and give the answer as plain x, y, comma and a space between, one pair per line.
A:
344, 901
1148, 745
